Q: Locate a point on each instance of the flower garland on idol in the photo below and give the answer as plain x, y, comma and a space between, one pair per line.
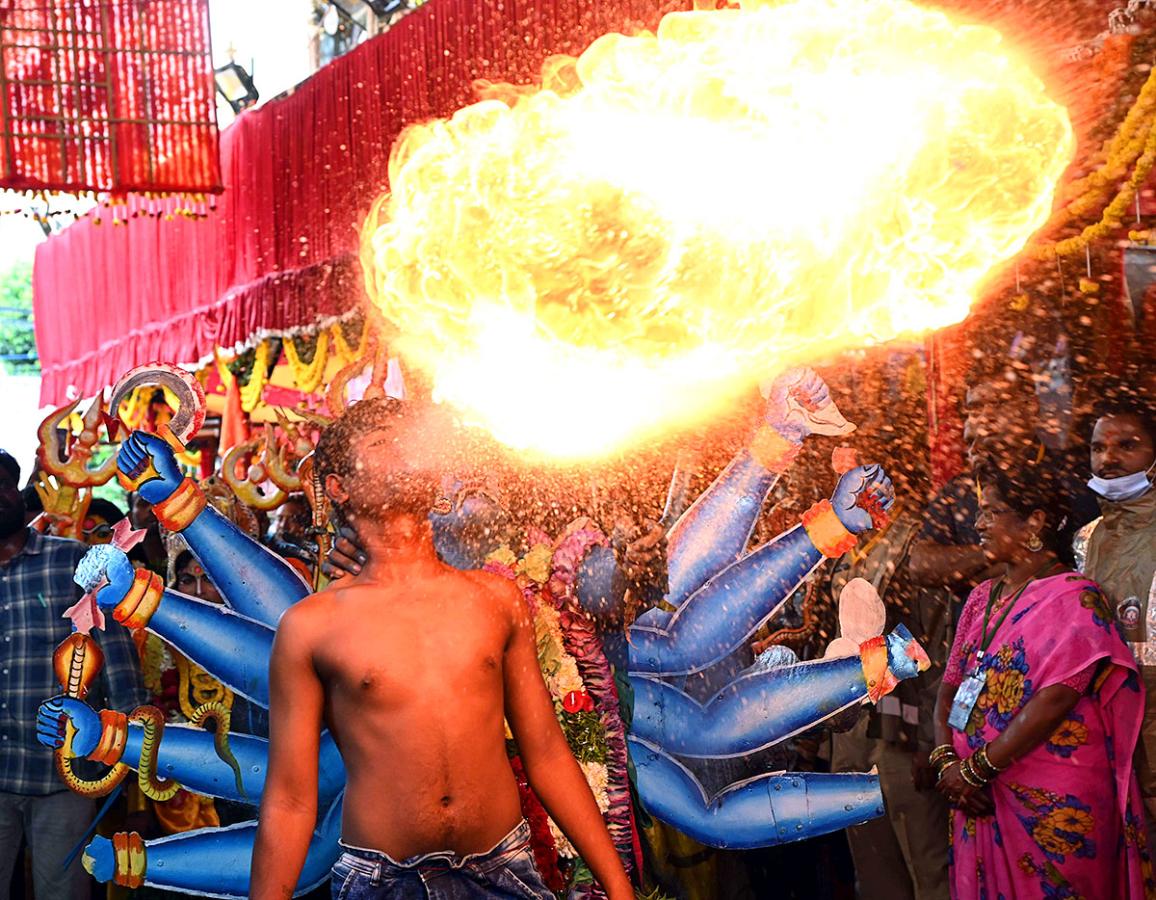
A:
581, 684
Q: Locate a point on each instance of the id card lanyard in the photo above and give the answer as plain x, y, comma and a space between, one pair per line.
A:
967, 695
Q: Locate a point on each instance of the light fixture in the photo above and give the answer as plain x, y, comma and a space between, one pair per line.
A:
337, 19
236, 86
331, 21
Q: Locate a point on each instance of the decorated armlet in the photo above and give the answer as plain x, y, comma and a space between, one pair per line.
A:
876, 668
130, 859
772, 451
177, 512
827, 533
113, 735
141, 601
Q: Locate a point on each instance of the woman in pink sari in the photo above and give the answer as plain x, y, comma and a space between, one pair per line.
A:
1037, 717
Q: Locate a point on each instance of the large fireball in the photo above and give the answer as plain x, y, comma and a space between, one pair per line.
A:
670, 217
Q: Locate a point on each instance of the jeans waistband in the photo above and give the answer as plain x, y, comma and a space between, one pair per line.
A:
516, 839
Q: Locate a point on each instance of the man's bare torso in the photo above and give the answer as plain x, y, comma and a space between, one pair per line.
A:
413, 672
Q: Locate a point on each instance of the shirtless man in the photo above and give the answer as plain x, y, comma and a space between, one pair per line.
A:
413, 666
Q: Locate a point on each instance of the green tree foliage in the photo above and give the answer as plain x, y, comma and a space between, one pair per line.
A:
16, 336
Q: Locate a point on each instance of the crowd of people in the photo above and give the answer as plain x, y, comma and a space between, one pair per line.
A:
1033, 571
1021, 764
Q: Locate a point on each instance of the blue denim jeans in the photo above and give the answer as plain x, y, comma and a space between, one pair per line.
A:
506, 871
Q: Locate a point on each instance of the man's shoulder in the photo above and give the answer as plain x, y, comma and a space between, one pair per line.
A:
311, 606
56, 546
493, 588
488, 581
306, 622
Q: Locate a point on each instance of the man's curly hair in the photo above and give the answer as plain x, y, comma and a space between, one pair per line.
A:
335, 450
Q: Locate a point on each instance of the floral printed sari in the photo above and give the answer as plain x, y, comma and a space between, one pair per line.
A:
1068, 818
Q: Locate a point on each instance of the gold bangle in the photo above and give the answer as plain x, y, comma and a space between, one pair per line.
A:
939, 753
968, 773
876, 668
141, 601
980, 765
772, 451
827, 533
983, 760
947, 765
179, 509
113, 736
131, 860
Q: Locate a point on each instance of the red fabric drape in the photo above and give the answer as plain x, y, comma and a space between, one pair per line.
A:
112, 96
300, 173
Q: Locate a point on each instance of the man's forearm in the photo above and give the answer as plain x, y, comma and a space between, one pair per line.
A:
559, 783
935, 565
280, 850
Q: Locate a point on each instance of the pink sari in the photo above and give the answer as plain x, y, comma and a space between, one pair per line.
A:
1068, 818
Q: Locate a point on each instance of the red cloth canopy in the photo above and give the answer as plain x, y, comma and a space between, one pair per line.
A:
300, 174
112, 97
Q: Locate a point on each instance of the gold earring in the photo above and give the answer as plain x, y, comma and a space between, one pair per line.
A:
1035, 544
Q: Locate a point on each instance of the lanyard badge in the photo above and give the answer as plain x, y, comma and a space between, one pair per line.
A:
970, 689
966, 696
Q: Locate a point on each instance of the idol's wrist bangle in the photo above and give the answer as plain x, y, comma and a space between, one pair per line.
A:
141, 601
181, 507
113, 736
772, 451
877, 668
130, 859
827, 533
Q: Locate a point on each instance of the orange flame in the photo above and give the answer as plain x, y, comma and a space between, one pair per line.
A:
673, 216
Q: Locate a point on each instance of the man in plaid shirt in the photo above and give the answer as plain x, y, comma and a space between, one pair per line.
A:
36, 587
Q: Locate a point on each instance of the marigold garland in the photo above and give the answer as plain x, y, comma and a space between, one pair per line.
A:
1113, 215
1120, 152
341, 345
1131, 148
252, 390
308, 375
570, 656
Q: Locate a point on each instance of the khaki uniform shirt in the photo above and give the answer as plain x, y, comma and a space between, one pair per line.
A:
1121, 557
1118, 552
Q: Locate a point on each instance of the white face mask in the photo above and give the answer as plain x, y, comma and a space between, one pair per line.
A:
1124, 488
